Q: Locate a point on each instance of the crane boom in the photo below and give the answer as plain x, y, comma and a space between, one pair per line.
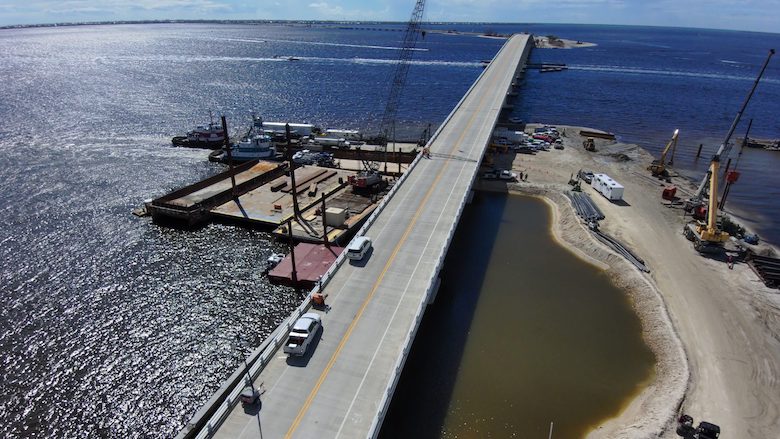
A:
699, 195
402, 68
369, 179
706, 236
658, 167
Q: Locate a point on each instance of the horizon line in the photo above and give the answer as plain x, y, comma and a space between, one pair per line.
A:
367, 22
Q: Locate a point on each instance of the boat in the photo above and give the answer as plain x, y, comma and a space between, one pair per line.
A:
210, 136
273, 261
256, 146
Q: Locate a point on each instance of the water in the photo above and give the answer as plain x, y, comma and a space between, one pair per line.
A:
522, 333
644, 82
115, 327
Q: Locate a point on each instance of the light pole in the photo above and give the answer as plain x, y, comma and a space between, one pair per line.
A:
246, 396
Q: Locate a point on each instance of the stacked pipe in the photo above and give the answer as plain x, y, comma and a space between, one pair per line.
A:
585, 207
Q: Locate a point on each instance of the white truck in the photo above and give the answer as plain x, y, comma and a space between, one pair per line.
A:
511, 136
334, 142
302, 334
345, 134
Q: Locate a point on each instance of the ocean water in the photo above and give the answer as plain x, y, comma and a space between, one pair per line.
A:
114, 327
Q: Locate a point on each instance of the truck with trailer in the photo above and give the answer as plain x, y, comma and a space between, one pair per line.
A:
344, 134
303, 129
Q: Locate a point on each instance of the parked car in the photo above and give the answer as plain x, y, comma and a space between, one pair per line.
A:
544, 137
500, 174
523, 149
507, 175
302, 334
358, 248
586, 175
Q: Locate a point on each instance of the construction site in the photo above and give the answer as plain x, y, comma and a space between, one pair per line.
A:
700, 284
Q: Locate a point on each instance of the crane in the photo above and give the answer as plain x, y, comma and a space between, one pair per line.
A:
698, 197
658, 167
732, 176
369, 177
706, 235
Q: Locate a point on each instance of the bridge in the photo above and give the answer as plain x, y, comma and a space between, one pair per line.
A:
343, 386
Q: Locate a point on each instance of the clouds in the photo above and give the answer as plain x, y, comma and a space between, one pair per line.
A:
760, 15
46, 11
333, 11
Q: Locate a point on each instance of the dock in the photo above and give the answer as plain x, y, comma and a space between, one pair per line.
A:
191, 205
272, 206
343, 386
263, 195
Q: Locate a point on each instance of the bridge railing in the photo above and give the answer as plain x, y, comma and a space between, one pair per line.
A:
432, 284
205, 422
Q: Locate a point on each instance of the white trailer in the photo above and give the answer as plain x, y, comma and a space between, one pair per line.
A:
304, 129
330, 141
345, 134
605, 185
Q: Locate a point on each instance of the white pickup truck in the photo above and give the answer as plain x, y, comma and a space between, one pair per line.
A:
303, 332
500, 174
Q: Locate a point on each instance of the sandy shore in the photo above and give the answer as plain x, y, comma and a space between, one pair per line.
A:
715, 332
541, 42
559, 43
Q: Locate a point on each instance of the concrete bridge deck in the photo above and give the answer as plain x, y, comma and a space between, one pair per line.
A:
342, 388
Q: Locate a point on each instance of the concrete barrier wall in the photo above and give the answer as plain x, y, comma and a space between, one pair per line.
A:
432, 284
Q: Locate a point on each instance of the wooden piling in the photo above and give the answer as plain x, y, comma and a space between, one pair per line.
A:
292, 252
324, 224
229, 156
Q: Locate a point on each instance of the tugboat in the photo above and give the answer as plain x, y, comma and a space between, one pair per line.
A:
258, 146
211, 136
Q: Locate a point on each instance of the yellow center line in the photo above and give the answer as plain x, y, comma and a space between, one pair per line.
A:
368, 298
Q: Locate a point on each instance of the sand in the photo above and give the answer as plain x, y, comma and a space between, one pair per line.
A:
559, 43
715, 332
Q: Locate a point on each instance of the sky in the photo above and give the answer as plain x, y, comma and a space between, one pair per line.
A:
754, 15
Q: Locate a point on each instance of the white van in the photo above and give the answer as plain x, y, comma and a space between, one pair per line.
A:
358, 248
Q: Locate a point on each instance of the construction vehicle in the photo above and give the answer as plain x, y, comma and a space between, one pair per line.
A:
589, 144
707, 237
575, 183
705, 430
698, 198
369, 179
658, 167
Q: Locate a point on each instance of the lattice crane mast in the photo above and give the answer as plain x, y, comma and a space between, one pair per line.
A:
706, 235
369, 177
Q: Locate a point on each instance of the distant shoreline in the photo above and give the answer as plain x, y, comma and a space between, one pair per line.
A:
553, 42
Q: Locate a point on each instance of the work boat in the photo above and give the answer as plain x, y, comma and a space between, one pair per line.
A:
211, 135
203, 136
257, 146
